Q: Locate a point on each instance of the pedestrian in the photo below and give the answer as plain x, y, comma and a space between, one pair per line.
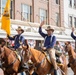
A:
58, 50
49, 42
59, 47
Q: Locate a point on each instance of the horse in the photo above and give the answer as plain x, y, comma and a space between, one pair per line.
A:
10, 63
72, 56
40, 63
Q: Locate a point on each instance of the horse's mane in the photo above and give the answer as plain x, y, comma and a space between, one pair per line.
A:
35, 50
73, 52
38, 55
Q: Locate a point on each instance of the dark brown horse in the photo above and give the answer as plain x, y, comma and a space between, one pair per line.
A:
72, 56
41, 64
10, 62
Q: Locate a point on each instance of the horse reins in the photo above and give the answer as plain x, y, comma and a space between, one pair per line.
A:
7, 57
36, 67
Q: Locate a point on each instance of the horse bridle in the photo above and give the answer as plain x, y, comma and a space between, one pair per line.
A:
3, 61
71, 56
38, 65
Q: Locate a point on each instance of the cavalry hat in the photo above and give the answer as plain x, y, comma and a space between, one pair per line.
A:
20, 29
49, 28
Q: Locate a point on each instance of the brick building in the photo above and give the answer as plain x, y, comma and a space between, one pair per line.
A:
29, 14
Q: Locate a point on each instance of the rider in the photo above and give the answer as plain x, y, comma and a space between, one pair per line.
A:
49, 43
73, 35
59, 51
18, 41
58, 47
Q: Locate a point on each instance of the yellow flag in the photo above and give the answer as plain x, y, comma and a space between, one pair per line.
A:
6, 18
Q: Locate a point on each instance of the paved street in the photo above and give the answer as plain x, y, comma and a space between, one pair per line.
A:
1, 72
70, 72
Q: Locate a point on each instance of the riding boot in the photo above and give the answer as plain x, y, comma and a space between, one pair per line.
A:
55, 72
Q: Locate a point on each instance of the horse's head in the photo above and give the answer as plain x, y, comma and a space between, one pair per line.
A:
68, 46
2, 43
26, 50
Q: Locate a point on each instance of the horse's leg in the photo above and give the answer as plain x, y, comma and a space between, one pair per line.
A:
27, 73
5, 73
74, 74
63, 70
14, 73
52, 73
64, 66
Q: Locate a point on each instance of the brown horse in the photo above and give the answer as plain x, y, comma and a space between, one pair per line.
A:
41, 64
10, 62
72, 56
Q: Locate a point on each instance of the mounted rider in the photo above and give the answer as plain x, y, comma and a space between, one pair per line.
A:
49, 43
19, 40
73, 35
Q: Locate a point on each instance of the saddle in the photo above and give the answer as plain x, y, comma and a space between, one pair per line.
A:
49, 60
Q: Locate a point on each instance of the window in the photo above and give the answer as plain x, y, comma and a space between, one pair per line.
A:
75, 22
70, 21
43, 15
74, 3
57, 1
11, 10
57, 19
70, 3
2, 6
26, 12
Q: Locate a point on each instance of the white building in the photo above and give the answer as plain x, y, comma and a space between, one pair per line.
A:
69, 15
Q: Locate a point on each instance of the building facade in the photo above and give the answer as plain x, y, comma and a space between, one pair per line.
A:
69, 15
30, 13
51, 11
